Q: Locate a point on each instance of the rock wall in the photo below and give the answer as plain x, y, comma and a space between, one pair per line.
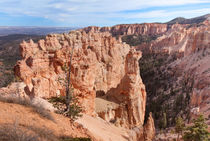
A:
131, 29
185, 39
188, 48
130, 94
101, 66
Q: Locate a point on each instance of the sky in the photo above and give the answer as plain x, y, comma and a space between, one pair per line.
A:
81, 13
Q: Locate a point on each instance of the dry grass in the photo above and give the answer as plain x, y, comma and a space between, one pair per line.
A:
18, 132
26, 102
21, 123
14, 133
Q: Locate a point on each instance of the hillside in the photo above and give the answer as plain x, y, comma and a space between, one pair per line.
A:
20, 122
197, 20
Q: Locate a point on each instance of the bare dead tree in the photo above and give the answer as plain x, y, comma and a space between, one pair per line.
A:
72, 105
68, 84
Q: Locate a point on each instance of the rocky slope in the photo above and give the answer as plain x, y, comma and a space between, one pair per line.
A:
103, 68
179, 76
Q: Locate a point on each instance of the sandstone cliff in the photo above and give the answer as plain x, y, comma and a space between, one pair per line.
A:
192, 45
131, 29
103, 68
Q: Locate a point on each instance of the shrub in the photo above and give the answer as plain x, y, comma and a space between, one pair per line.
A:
60, 99
74, 109
180, 126
198, 131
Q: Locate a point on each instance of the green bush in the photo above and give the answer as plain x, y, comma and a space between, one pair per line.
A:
198, 131
75, 109
180, 126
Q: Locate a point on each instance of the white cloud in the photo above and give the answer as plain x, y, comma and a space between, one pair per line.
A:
96, 11
164, 13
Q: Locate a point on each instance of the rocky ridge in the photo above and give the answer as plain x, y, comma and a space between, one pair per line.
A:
131, 29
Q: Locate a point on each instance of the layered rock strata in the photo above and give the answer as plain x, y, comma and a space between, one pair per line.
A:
131, 29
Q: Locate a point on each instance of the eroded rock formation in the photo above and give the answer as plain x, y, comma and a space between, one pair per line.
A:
102, 67
149, 130
187, 66
192, 45
131, 29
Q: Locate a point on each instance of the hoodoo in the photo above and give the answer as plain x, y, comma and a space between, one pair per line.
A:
105, 74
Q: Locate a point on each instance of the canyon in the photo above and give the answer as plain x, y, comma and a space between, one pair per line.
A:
109, 70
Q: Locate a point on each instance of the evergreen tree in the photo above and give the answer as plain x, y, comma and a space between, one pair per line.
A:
180, 126
164, 120
198, 131
73, 109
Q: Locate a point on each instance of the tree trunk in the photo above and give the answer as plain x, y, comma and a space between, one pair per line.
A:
178, 137
68, 93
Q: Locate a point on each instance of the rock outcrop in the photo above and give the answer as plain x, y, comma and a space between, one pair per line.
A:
103, 68
149, 130
185, 39
129, 94
131, 29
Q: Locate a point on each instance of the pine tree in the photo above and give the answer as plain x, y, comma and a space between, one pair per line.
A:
198, 131
164, 120
180, 126
73, 109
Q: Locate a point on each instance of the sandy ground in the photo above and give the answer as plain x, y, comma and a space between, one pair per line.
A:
102, 130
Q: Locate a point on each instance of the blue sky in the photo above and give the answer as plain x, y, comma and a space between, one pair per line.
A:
80, 13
